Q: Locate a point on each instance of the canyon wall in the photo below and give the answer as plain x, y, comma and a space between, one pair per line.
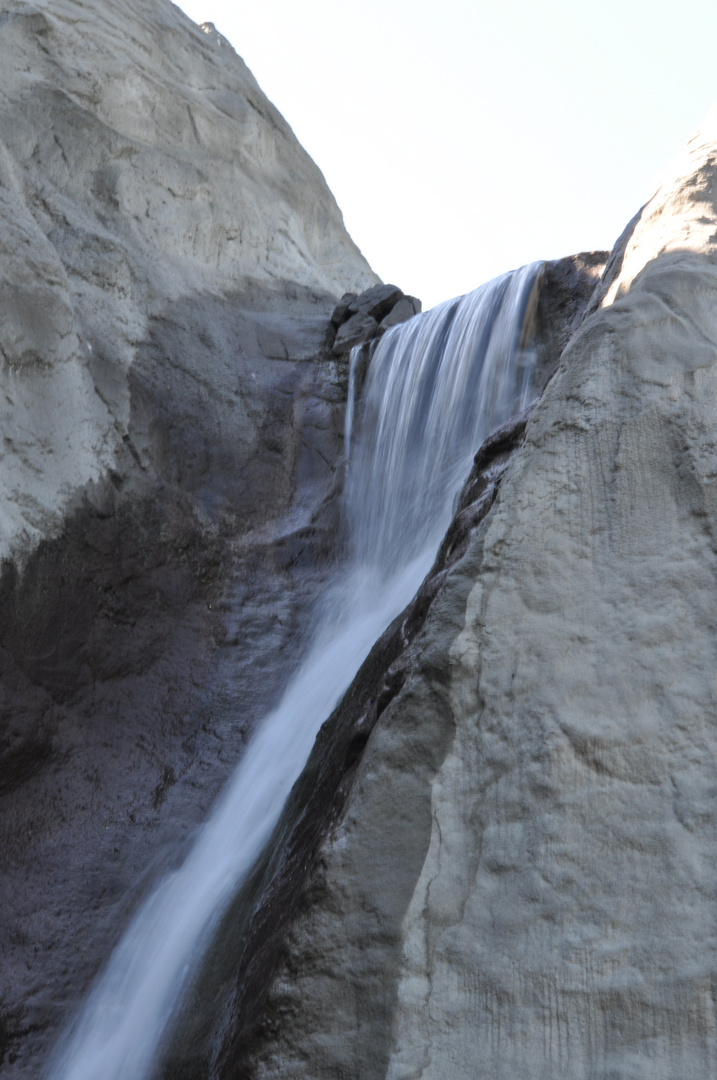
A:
172, 421
520, 880
497, 862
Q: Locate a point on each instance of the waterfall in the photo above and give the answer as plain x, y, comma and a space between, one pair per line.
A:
436, 386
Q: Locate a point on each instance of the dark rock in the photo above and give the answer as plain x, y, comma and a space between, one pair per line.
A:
360, 327
377, 301
401, 312
341, 312
563, 297
416, 304
172, 430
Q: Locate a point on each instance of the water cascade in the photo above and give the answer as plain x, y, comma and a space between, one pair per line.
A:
436, 386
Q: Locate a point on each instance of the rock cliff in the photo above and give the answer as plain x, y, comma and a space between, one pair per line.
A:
499, 860
519, 878
142, 170
172, 419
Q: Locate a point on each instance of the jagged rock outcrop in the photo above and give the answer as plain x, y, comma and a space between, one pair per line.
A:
363, 318
172, 420
521, 881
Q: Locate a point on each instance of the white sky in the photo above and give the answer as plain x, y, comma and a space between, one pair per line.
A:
462, 138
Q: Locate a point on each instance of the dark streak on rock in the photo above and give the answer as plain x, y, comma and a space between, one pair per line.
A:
255, 927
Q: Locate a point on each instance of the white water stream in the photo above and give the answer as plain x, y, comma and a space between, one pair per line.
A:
436, 387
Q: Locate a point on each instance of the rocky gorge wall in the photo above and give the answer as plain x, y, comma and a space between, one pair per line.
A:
172, 420
520, 881
497, 862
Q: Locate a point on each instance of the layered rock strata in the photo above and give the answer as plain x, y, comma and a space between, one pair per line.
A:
520, 882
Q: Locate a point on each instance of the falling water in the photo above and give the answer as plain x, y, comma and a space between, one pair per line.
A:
436, 386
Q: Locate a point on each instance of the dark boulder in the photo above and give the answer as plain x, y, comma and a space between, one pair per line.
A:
377, 301
358, 317
341, 312
360, 327
399, 313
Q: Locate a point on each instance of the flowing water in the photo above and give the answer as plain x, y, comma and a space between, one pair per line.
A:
436, 387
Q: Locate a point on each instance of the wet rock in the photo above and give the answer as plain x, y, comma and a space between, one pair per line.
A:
223, 1024
362, 318
562, 301
274, 897
172, 425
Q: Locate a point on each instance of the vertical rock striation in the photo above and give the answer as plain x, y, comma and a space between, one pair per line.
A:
521, 882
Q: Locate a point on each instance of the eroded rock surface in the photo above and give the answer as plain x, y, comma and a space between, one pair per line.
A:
521, 882
172, 417
172, 421
141, 168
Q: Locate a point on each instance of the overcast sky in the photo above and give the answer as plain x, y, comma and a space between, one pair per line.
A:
462, 138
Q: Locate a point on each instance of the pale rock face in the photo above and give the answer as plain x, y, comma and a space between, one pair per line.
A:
523, 882
141, 166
